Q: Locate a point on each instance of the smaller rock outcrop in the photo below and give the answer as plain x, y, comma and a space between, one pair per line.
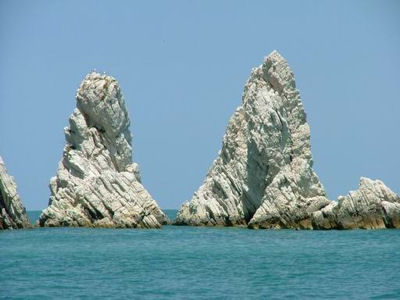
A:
372, 206
12, 212
97, 184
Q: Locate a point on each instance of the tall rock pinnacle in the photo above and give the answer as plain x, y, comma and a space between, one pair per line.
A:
263, 176
97, 185
12, 212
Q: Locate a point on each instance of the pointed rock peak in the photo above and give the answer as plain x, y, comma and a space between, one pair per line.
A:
97, 184
263, 175
274, 57
278, 73
12, 212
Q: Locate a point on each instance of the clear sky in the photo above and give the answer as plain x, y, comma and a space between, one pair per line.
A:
182, 66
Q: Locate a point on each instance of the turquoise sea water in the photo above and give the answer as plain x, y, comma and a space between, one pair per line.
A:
201, 263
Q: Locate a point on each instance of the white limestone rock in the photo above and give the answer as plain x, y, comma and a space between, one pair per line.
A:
372, 206
12, 212
97, 185
263, 176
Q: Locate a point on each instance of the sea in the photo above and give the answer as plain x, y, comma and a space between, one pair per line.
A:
180, 262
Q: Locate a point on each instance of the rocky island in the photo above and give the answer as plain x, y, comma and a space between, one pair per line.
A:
12, 212
97, 184
372, 206
263, 176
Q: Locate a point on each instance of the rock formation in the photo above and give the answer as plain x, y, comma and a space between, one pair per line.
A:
12, 213
97, 185
263, 176
372, 206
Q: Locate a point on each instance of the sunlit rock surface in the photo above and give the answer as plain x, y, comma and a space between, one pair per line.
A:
97, 184
372, 206
263, 176
12, 212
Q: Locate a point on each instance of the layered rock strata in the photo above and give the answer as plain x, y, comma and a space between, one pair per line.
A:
372, 206
263, 176
12, 212
97, 184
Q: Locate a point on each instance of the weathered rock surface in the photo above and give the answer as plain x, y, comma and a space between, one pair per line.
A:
263, 175
12, 212
372, 206
97, 185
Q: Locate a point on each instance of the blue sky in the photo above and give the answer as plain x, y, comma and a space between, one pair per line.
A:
182, 66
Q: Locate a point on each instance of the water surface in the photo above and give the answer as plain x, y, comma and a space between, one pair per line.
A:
187, 262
